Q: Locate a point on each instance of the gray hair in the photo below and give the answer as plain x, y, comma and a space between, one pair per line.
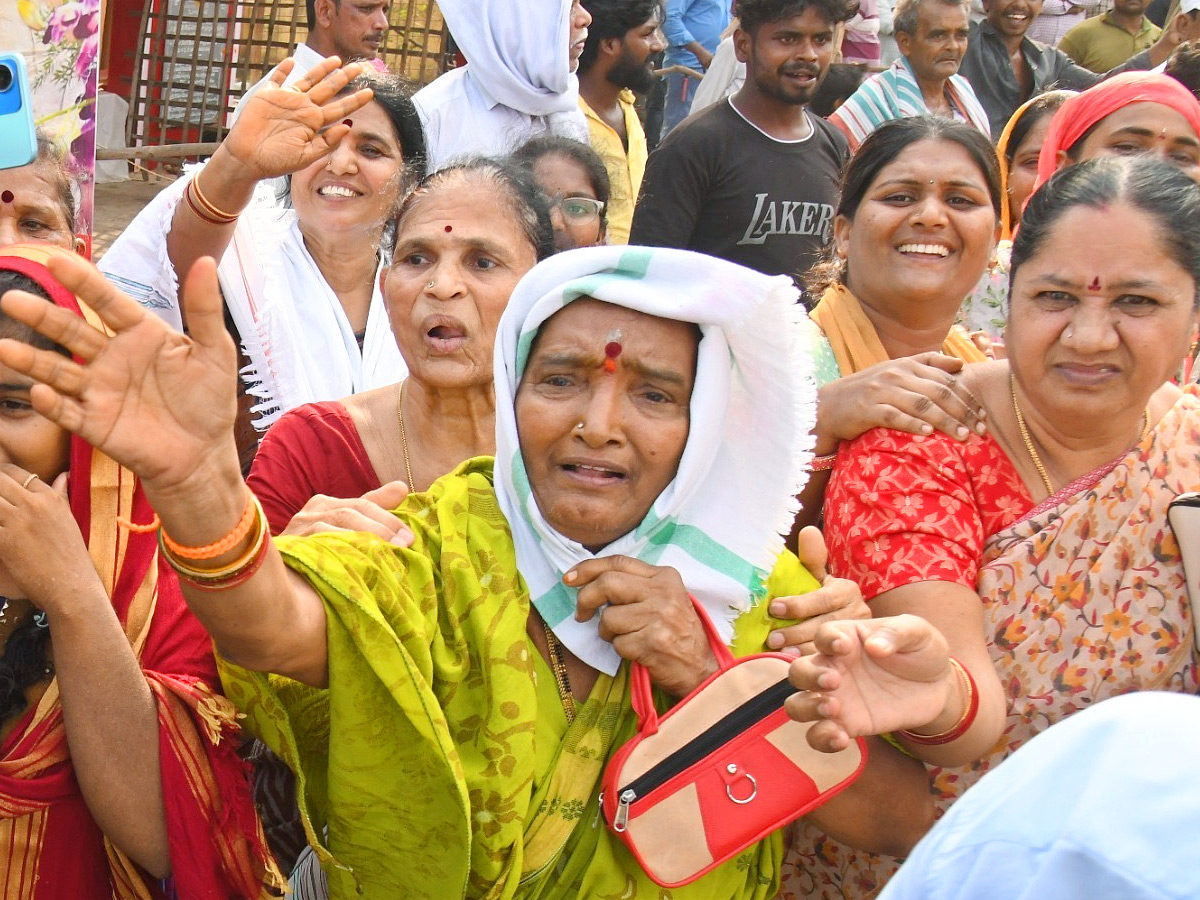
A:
907, 11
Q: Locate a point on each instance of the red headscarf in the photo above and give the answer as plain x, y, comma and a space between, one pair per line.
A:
1075, 117
216, 844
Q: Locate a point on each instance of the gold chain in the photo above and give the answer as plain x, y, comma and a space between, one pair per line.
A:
1030, 449
404, 438
558, 665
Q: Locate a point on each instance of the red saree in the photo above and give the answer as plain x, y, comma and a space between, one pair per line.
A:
50, 847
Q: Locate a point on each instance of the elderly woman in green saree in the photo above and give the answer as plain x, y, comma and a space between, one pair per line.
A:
449, 707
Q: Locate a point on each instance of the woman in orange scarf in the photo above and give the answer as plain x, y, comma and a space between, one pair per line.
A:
915, 225
118, 768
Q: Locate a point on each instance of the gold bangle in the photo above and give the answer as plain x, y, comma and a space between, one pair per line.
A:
965, 721
219, 214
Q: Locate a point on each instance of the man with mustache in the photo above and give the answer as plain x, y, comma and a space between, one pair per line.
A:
347, 29
932, 37
622, 39
1107, 40
1006, 68
753, 178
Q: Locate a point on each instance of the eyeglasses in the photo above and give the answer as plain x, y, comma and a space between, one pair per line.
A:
577, 209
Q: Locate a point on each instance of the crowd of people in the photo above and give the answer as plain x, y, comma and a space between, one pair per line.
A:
386, 441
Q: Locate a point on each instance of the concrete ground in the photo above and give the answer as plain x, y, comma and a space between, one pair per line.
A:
117, 202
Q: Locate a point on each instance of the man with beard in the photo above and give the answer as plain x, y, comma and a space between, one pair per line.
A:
1006, 68
754, 178
348, 29
622, 39
932, 37
519, 81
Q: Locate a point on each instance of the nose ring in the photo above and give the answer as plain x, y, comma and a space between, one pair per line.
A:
429, 287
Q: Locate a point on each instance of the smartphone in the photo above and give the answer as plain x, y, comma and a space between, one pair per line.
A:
1183, 513
18, 138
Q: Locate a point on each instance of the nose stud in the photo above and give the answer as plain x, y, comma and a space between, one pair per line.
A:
429, 287
578, 426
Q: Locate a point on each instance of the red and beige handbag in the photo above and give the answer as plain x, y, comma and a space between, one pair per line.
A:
724, 768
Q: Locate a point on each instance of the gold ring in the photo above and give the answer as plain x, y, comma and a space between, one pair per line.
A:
28, 481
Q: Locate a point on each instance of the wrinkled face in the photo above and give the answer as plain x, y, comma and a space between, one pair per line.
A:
580, 20
786, 60
1022, 174
936, 50
1099, 316
459, 254
599, 446
30, 208
355, 27
633, 70
357, 185
564, 180
1144, 128
923, 232
1012, 18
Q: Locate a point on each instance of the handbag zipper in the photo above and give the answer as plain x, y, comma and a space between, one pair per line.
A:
749, 713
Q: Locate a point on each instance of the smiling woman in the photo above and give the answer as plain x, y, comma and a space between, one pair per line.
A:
300, 277
915, 226
37, 201
1042, 549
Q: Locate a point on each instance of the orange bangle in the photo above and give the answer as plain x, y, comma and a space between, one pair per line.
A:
220, 215
225, 544
133, 527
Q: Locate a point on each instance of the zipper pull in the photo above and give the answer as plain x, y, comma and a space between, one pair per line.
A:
599, 806
621, 820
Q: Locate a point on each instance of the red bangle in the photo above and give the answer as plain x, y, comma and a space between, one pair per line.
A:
823, 463
959, 728
240, 577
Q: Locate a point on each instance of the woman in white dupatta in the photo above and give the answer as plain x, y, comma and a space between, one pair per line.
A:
299, 273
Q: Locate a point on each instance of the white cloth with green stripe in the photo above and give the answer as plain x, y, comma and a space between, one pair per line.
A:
720, 522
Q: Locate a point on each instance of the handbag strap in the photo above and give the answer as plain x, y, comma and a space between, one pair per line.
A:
639, 678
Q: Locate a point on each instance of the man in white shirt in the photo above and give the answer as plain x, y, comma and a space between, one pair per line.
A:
519, 80
349, 29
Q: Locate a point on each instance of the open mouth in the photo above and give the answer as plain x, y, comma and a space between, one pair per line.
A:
445, 338
593, 473
932, 251
337, 190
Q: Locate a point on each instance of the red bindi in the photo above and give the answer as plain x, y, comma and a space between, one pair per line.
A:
611, 351
449, 228
349, 123
1095, 285
7, 196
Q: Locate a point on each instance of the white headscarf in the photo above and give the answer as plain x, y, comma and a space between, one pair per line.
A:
517, 52
720, 522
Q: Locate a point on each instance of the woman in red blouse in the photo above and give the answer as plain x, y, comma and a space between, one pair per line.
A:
1042, 549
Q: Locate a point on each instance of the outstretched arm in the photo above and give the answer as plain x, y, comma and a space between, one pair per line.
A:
162, 404
280, 131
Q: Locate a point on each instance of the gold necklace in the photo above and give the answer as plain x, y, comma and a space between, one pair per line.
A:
558, 665
404, 438
1034, 456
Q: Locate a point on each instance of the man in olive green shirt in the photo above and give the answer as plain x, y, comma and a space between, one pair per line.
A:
1106, 41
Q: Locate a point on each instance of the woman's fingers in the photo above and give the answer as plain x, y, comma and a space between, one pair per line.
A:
203, 309
60, 325
332, 83
811, 549
279, 74
316, 74
44, 366
85, 281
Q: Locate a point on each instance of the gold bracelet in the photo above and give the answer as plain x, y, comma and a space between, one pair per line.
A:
965, 721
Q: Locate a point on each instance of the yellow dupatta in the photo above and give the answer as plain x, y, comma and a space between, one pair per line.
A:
856, 345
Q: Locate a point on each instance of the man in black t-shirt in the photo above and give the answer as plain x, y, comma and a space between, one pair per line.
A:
754, 179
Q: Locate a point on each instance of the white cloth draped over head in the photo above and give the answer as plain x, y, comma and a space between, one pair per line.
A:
517, 51
720, 522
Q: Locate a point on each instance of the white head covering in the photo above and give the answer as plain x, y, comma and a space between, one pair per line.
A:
517, 51
720, 522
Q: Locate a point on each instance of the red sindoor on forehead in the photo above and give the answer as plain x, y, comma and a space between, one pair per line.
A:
611, 351
1095, 285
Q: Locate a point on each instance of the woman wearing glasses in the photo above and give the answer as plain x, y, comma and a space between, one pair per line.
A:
575, 182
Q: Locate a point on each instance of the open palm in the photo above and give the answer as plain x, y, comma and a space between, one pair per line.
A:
157, 401
282, 130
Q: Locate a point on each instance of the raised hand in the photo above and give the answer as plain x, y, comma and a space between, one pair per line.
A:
282, 130
872, 677
916, 394
157, 401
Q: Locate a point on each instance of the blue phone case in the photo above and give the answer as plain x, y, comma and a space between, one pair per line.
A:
18, 137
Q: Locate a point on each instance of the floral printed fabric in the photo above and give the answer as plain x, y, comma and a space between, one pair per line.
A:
1084, 597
